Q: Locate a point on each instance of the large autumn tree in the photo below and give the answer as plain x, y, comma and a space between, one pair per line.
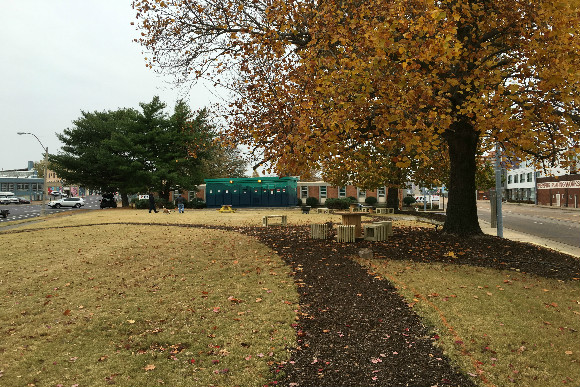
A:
364, 88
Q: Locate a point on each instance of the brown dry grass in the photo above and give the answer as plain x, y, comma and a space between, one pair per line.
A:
139, 306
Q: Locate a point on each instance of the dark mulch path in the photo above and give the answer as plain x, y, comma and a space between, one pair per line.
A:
357, 331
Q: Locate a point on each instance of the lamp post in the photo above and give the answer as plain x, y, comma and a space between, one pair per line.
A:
44, 186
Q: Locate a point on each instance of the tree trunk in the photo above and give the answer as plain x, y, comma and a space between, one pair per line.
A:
124, 199
462, 219
393, 198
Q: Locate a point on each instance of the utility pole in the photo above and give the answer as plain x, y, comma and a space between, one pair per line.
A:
498, 191
44, 185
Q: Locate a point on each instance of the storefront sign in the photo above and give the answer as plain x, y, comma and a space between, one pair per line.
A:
559, 184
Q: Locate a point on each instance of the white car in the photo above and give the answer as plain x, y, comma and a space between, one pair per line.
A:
9, 200
67, 202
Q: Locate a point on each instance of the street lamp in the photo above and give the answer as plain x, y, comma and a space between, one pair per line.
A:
44, 187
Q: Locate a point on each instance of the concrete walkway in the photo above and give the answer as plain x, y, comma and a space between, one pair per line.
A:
522, 237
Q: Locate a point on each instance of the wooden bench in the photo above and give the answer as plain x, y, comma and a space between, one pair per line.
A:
345, 233
322, 210
385, 210
319, 231
375, 232
388, 225
266, 219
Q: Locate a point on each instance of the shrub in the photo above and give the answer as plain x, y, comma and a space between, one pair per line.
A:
200, 204
408, 200
352, 199
195, 203
337, 204
142, 204
299, 202
371, 200
311, 201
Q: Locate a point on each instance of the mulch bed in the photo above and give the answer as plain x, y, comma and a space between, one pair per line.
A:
356, 330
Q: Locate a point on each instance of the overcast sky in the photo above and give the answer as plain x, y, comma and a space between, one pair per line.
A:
62, 56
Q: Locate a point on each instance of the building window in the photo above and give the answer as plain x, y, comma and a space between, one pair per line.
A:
303, 192
522, 179
529, 177
322, 192
381, 192
341, 192
362, 194
509, 179
515, 178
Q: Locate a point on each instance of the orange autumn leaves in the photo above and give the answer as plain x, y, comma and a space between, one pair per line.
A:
367, 91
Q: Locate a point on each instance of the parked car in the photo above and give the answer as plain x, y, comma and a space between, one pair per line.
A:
67, 202
9, 200
23, 201
108, 200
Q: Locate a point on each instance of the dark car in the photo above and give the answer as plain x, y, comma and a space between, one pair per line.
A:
108, 201
23, 201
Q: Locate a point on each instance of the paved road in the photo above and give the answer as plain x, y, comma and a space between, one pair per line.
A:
27, 211
555, 224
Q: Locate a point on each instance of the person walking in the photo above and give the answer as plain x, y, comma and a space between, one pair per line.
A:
152, 203
180, 204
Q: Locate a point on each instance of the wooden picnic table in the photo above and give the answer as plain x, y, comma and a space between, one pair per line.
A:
352, 219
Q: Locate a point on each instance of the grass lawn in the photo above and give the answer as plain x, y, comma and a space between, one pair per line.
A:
140, 306
124, 297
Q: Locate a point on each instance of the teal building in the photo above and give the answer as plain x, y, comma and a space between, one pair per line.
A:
252, 192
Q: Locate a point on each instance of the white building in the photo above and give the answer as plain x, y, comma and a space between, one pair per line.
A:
521, 181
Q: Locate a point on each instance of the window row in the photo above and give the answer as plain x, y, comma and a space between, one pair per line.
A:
521, 178
323, 192
20, 187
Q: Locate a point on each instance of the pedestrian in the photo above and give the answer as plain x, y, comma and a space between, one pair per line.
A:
152, 203
180, 204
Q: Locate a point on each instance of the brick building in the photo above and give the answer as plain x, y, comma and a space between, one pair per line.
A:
559, 191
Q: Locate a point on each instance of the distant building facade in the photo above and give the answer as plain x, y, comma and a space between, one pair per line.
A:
22, 182
26, 183
279, 192
521, 181
559, 191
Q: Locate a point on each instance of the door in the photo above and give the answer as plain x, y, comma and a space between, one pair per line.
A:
246, 197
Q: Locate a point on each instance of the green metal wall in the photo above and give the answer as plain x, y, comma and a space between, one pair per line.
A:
252, 192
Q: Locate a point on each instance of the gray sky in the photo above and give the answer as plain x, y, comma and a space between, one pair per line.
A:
63, 56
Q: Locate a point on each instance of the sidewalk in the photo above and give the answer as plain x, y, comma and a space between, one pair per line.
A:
522, 237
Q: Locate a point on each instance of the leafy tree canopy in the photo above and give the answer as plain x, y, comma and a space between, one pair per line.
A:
373, 91
134, 151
